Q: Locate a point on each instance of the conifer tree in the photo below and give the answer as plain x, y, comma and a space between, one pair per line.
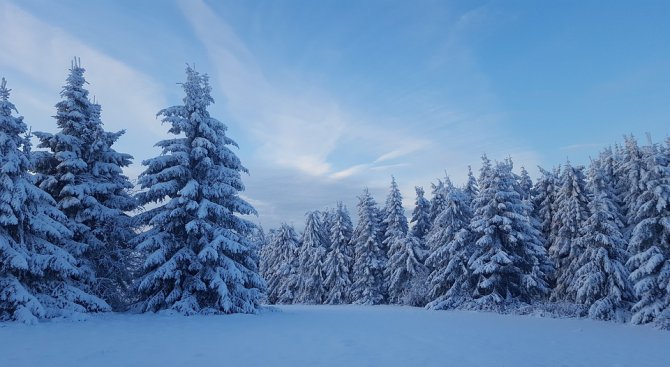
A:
339, 259
199, 252
525, 184
312, 253
471, 188
649, 245
601, 281
405, 272
437, 201
570, 216
370, 259
284, 266
631, 185
39, 276
395, 222
544, 196
83, 173
420, 215
450, 240
508, 259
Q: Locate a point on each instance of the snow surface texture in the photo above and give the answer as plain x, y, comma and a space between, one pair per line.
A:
333, 336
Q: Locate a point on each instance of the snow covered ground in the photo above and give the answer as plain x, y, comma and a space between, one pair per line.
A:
333, 336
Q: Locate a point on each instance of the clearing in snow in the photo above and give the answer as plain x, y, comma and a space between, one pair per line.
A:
333, 336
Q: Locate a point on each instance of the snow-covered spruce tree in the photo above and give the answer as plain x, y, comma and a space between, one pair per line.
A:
39, 277
508, 258
471, 188
268, 258
84, 174
369, 256
405, 272
199, 252
312, 253
525, 184
437, 201
284, 280
649, 245
450, 238
395, 222
327, 219
339, 260
544, 195
405, 252
601, 281
570, 215
420, 215
630, 185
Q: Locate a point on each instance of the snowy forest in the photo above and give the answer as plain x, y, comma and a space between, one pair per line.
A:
79, 237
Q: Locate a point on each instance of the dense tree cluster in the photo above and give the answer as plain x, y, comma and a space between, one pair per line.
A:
595, 240
69, 243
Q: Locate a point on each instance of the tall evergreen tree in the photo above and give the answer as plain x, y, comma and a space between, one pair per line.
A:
601, 281
395, 222
437, 202
544, 195
508, 261
83, 173
339, 259
631, 184
200, 255
471, 188
405, 253
450, 240
525, 184
405, 272
649, 245
370, 259
283, 267
39, 276
420, 215
570, 215
312, 253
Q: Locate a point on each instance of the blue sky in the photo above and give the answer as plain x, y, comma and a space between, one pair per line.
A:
328, 97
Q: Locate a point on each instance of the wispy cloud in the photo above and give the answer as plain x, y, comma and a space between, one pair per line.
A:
40, 54
575, 147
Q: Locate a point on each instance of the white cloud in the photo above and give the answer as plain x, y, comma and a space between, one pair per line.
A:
40, 54
297, 129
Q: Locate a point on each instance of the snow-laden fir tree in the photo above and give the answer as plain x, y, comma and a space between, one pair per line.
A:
339, 260
508, 260
601, 280
450, 237
39, 277
313, 249
649, 245
437, 201
369, 257
267, 257
405, 272
283, 269
199, 252
327, 219
570, 215
421, 215
525, 184
471, 188
484, 172
83, 173
543, 199
395, 222
405, 252
630, 173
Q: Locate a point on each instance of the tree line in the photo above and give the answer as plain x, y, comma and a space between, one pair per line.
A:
76, 238
579, 241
